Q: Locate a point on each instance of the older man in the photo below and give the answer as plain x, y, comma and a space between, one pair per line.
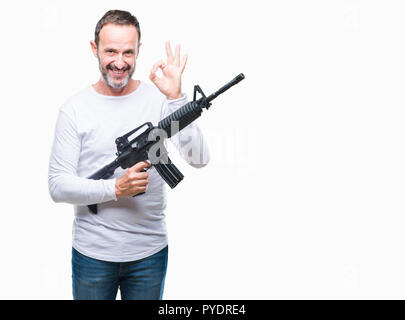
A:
125, 245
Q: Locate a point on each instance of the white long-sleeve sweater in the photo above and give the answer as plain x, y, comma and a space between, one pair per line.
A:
124, 229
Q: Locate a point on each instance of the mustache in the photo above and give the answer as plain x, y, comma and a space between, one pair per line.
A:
112, 67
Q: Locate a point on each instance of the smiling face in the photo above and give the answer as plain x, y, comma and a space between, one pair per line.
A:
116, 52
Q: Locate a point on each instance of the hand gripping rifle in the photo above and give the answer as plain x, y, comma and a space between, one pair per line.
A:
130, 152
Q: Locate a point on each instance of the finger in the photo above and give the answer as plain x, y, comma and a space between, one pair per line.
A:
134, 176
140, 166
140, 189
142, 175
160, 64
177, 55
139, 183
152, 76
169, 52
183, 63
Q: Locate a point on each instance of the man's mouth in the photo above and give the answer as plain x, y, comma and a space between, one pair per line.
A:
116, 72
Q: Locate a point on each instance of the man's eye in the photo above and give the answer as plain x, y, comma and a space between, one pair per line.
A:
128, 54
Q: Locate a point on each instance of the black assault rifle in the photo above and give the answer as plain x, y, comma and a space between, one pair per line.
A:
130, 152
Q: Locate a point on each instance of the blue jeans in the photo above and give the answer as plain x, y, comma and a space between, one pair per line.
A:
137, 280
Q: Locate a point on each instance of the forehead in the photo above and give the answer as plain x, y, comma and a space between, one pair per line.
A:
118, 35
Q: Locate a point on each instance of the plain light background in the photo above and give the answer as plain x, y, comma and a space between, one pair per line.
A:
304, 196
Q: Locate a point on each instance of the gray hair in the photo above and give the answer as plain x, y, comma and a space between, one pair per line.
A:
117, 17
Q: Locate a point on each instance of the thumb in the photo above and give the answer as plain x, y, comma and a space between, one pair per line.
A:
156, 66
152, 76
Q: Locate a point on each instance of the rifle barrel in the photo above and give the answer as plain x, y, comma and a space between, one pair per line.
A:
230, 84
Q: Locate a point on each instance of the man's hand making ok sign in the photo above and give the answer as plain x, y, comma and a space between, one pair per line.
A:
170, 82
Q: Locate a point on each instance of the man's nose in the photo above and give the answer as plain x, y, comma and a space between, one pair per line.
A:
119, 62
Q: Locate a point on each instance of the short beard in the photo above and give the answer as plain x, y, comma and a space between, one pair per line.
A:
110, 82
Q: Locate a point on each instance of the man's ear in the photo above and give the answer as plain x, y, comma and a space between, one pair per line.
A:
139, 45
94, 48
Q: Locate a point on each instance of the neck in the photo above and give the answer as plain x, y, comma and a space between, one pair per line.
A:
103, 88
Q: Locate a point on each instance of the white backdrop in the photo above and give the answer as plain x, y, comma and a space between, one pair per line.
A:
304, 196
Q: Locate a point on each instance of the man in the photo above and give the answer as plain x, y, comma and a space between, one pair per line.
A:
125, 245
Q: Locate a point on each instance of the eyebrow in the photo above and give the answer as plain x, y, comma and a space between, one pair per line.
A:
115, 50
